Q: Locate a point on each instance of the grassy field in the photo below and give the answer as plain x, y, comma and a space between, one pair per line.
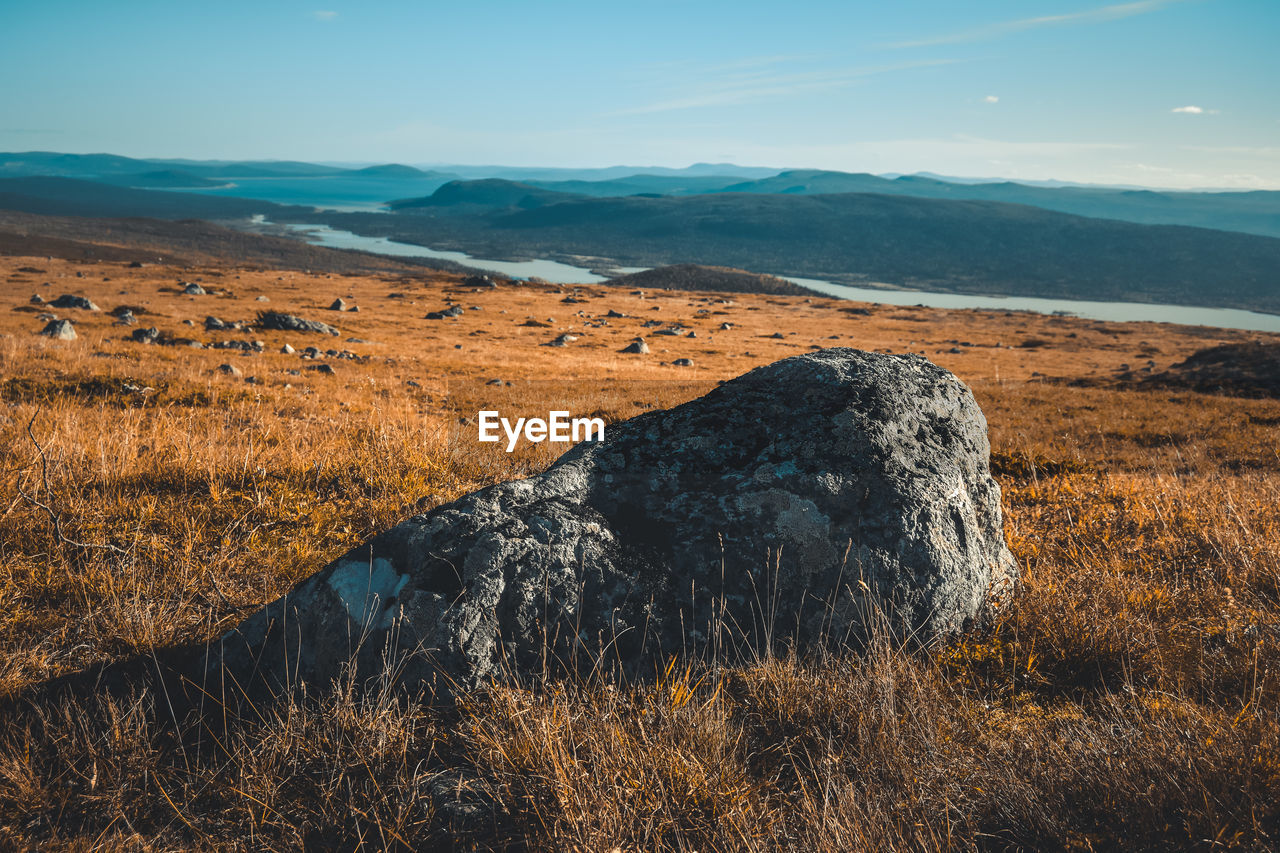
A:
1127, 698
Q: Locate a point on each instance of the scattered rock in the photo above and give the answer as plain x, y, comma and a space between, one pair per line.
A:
213, 324
230, 369
36, 299
261, 299
724, 327
146, 336
615, 314
323, 367
61, 330
636, 346
290, 323
804, 504
683, 362
193, 289
339, 304
242, 346
479, 281
561, 341
287, 350
126, 318
68, 300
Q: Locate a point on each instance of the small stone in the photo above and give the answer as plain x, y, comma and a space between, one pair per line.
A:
339, 304
61, 330
636, 346
287, 350
193, 289
229, 369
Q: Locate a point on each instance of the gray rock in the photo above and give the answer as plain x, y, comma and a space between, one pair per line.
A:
636, 346
36, 299
146, 336
561, 341
683, 362
193, 289
339, 304
229, 369
797, 504
126, 318
290, 323
60, 329
287, 350
68, 300
213, 324
724, 327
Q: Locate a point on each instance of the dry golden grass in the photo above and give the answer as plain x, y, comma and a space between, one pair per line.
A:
1127, 698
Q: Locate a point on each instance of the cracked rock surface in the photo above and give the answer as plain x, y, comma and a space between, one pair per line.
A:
789, 505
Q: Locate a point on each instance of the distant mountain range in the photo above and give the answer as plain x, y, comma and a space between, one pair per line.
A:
113, 168
1250, 212
912, 231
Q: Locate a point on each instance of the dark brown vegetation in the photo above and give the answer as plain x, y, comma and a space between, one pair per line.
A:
1127, 698
1245, 370
718, 279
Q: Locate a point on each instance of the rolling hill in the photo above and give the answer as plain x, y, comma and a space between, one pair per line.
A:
943, 244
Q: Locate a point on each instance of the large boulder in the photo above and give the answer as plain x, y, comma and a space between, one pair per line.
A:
800, 503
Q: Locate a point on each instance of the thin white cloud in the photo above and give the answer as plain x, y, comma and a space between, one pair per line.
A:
1247, 150
762, 83
324, 15
1004, 28
991, 99
1191, 109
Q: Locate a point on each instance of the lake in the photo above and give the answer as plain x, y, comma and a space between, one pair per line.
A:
558, 273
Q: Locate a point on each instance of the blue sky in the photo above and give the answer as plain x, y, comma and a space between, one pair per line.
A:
1179, 93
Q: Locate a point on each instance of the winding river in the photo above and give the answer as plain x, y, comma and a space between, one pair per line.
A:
553, 271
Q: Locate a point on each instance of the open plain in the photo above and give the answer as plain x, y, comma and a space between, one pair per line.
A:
153, 494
